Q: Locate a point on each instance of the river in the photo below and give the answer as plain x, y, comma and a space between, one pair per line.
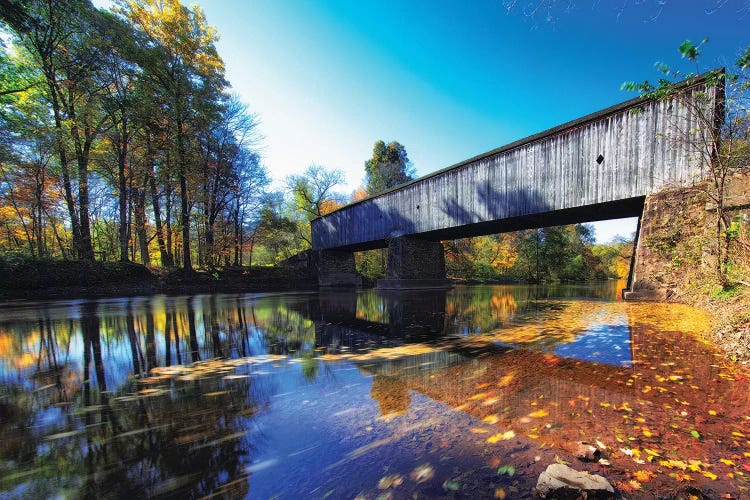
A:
471, 392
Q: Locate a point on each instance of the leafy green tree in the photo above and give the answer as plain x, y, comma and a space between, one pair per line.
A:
389, 167
187, 77
62, 38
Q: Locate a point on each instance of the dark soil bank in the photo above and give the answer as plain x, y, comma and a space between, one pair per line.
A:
50, 279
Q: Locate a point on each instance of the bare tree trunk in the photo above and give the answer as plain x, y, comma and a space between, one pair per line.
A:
184, 203
140, 225
166, 257
122, 153
63, 155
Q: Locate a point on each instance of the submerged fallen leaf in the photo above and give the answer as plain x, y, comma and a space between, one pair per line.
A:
390, 481
491, 419
451, 486
643, 476
423, 473
501, 436
507, 470
539, 414
683, 477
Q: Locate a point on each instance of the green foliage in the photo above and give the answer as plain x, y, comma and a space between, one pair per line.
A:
726, 293
389, 167
119, 123
371, 263
691, 51
562, 253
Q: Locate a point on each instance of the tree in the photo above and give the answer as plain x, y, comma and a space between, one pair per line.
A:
187, 77
62, 38
313, 190
388, 167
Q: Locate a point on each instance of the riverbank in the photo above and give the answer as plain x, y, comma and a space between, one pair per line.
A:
54, 279
731, 329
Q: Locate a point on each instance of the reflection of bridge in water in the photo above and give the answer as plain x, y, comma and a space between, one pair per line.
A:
652, 402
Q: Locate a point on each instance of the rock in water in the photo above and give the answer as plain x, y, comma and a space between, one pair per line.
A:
560, 479
587, 452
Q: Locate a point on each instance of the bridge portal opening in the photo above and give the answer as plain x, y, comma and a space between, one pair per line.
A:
574, 252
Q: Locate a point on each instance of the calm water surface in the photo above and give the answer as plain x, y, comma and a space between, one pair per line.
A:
467, 393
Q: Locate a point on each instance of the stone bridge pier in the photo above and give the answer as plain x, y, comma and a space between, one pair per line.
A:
336, 269
414, 263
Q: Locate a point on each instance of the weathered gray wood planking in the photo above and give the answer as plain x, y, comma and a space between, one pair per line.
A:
551, 177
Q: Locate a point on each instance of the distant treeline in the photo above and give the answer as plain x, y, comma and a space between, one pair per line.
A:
561, 253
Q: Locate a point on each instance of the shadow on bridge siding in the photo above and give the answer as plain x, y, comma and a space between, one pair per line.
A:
366, 226
496, 206
521, 210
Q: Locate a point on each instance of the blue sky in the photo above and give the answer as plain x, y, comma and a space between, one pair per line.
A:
447, 79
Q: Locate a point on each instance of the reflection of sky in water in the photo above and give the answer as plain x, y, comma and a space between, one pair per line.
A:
609, 344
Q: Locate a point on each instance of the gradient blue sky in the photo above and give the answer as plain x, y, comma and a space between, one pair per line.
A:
448, 79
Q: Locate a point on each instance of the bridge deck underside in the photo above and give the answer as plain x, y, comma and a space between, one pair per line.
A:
631, 207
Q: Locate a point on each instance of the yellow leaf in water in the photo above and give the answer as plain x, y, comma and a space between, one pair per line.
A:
533, 436
501, 436
683, 477
605, 405
480, 395
634, 484
423, 473
499, 493
390, 481
491, 419
712, 412
652, 453
477, 430
738, 434
726, 461
710, 475
539, 413
643, 476
214, 394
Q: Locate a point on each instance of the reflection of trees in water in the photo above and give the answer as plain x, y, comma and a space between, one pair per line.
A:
185, 438
285, 331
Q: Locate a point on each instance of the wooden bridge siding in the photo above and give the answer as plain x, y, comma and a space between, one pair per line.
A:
554, 172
